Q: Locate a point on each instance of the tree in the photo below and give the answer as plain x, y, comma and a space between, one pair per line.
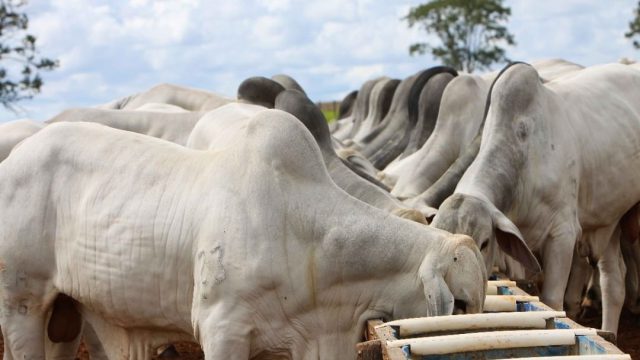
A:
19, 59
470, 31
634, 27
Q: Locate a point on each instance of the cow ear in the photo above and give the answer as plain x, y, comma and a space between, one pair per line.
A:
511, 242
428, 212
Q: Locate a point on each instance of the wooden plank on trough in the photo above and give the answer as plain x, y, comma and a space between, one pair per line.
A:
375, 346
369, 350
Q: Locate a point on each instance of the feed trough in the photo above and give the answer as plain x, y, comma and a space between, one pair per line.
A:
514, 325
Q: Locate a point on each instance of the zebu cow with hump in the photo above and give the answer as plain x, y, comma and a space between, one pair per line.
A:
387, 141
253, 251
428, 109
171, 126
13, 132
458, 122
379, 105
430, 177
350, 125
184, 97
558, 165
288, 82
346, 105
221, 127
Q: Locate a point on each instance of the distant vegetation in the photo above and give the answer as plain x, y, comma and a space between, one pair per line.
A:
634, 27
19, 59
329, 109
471, 32
330, 115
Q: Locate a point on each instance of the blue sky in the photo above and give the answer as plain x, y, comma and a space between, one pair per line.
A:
110, 49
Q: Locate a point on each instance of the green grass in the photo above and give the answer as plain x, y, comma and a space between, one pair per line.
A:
330, 115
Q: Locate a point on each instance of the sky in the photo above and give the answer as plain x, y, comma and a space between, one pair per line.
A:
111, 49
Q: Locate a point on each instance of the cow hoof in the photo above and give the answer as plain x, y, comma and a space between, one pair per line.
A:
169, 352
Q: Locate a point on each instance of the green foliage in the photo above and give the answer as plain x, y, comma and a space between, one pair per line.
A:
634, 27
471, 32
20, 63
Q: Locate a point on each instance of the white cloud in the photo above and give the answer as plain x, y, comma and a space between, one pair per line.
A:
275, 5
112, 48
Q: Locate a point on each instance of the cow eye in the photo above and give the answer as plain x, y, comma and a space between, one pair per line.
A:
484, 245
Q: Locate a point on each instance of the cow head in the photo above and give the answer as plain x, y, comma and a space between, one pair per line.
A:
490, 228
454, 278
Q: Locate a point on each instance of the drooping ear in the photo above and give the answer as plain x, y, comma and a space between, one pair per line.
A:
511, 242
410, 214
439, 298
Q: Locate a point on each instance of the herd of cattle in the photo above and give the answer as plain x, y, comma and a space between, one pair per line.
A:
257, 230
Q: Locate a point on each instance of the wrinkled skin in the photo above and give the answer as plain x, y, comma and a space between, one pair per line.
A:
236, 248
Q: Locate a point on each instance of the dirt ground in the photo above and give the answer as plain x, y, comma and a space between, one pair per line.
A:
628, 332
628, 340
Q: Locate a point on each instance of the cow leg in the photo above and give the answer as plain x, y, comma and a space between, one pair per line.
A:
23, 334
580, 272
557, 260
224, 333
6, 351
63, 350
92, 342
25, 304
612, 272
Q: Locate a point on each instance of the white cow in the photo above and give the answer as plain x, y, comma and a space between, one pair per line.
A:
390, 138
558, 163
347, 127
168, 124
379, 104
221, 128
186, 98
252, 251
13, 132
288, 82
458, 122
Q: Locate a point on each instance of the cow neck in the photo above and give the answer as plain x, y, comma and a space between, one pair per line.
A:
496, 171
346, 105
372, 231
309, 114
397, 137
361, 106
398, 112
447, 183
428, 109
374, 98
